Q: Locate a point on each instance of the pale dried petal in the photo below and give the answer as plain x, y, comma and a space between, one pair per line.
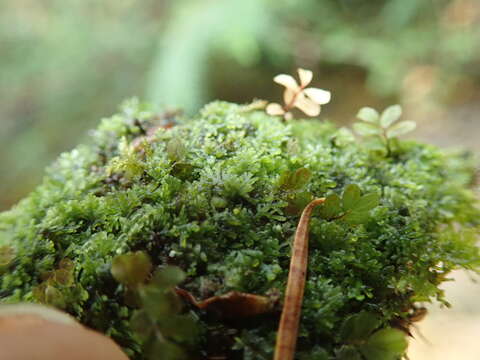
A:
308, 106
274, 109
306, 77
318, 95
288, 81
288, 96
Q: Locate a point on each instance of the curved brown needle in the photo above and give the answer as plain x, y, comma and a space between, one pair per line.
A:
289, 321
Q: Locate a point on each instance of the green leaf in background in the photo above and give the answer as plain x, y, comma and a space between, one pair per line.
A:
401, 128
366, 129
131, 269
332, 207
359, 327
351, 195
179, 75
385, 344
348, 353
390, 115
369, 114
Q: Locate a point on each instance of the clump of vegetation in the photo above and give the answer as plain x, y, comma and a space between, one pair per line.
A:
177, 240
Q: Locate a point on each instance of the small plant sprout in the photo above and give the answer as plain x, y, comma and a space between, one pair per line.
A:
308, 100
385, 127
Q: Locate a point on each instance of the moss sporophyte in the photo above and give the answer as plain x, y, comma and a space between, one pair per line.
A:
241, 235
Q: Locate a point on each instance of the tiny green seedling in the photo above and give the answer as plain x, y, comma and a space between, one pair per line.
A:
159, 322
385, 127
352, 207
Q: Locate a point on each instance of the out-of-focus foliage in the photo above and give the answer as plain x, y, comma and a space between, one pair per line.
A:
385, 38
63, 64
219, 196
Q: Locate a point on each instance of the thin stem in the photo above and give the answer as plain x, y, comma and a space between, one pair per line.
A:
387, 142
290, 319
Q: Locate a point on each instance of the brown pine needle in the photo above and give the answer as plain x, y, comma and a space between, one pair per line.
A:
290, 319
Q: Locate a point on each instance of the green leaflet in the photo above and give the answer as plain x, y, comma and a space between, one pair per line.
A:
131, 269
352, 207
359, 327
385, 344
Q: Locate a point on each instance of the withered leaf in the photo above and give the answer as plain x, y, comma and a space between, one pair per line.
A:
233, 304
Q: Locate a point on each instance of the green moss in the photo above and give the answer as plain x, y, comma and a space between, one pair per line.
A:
219, 196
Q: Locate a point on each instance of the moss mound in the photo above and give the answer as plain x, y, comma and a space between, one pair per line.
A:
220, 196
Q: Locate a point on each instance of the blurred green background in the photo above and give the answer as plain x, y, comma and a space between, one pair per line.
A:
66, 64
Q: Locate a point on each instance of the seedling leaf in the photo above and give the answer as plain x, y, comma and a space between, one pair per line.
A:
295, 180
301, 178
401, 128
359, 327
390, 115
168, 277
367, 202
131, 269
369, 114
356, 217
351, 195
332, 207
366, 129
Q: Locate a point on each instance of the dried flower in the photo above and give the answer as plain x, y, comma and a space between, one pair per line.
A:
308, 100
